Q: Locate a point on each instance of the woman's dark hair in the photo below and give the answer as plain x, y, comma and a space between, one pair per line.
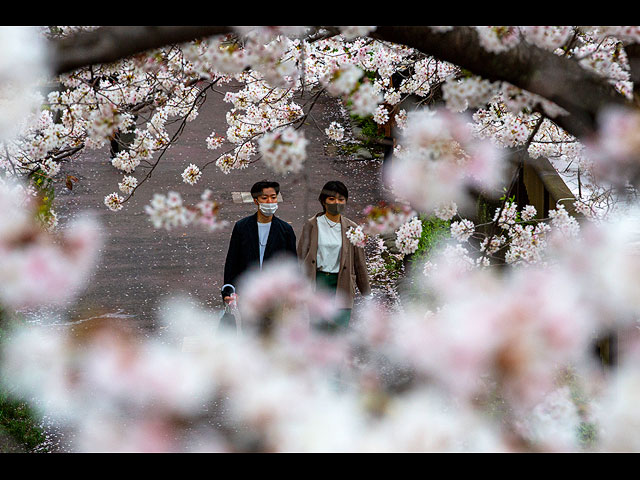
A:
258, 187
331, 189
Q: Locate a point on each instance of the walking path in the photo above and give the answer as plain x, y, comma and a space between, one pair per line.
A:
140, 266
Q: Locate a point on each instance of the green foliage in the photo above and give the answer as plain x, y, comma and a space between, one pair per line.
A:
46, 192
350, 148
587, 431
464, 73
369, 139
484, 210
434, 232
370, 129
370, 74
587, 435
19, 430
393, 265
19, 427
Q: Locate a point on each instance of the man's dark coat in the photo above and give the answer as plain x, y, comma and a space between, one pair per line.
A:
244, 249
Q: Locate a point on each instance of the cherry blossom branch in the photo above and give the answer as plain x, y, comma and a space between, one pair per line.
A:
561, 80
520, 162
109, 44
171, 141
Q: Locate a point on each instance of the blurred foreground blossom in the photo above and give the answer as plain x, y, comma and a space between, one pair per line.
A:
38, 267
120, 393
281, 290
420, 379
553, 423
23, 65
384, 218
115, 391
618, 416
615, 150
516, 331
439, 150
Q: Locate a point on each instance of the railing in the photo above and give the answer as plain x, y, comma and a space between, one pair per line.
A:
544, 188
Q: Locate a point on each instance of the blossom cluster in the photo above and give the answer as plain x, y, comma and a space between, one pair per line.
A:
128, 184
284, 151
498, 39
446, 211
169, 212
462, 230
470, 92
125, 162
604, 59
524, 239
547, 37
214, 141
365, 101
335, 131
408, 236
92, 114
356, 236
207, 213
381, 115
345, 81
113, 201
191, 174
258, 110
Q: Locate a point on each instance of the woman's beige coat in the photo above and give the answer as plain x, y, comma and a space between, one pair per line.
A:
353, 267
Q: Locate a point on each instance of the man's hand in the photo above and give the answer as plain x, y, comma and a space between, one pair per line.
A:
230, 299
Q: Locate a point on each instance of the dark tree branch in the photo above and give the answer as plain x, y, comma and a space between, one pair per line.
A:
559, 79
633, 54
109, 44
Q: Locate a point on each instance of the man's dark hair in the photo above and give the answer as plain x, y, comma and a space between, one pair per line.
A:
331, 189
258, 187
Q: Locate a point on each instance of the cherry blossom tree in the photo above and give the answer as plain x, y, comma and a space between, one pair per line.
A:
494, 354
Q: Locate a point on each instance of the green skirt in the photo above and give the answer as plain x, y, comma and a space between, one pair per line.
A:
329, 283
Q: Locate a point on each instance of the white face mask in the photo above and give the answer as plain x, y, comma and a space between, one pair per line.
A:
268, 209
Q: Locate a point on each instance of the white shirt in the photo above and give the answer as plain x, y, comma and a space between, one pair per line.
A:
263, 236
329, 245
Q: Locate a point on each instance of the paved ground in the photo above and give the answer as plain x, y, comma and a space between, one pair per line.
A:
141, 266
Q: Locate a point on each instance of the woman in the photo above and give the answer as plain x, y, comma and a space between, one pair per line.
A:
328, 258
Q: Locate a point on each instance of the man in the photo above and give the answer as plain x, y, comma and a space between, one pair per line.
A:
258, 237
